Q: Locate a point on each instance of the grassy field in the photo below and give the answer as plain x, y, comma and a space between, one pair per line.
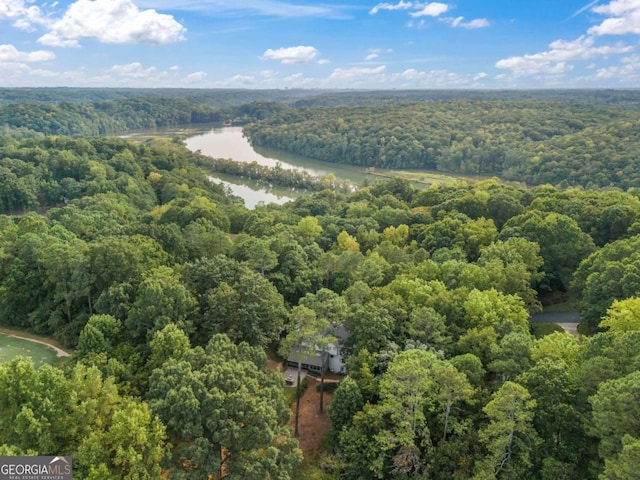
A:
427, 177
38, 353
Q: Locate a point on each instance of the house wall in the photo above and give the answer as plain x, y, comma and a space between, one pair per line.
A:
336, 362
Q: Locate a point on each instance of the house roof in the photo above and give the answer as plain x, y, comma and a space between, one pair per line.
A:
315, 360
341, 332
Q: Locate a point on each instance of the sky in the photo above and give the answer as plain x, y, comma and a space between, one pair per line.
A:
339, 44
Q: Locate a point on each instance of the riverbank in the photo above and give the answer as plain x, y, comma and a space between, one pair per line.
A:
22, 335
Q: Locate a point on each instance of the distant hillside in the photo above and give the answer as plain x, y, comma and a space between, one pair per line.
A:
535, 141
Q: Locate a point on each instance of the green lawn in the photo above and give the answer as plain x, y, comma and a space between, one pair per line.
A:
39, 354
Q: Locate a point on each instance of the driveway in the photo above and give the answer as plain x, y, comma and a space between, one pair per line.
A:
568, 321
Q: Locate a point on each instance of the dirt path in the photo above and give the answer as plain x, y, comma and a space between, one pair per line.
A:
41, 340
312, 425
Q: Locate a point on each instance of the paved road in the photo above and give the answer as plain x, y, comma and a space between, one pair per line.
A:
570, 316
568, 321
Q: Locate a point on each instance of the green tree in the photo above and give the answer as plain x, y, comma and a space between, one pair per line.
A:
170, 342
404, 397
509, 437
256, 252
161, 299
132, 447
615, 413
627, 464
563, 244
226, 416
102, 333
309, 229
34, 407
452, 387
234, 300
611, 273
520, 264
490, 308
346, 402
623, 316
557, 418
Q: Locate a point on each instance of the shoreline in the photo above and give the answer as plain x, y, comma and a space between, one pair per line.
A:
41, 340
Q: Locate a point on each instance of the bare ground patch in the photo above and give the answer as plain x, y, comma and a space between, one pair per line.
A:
313, 426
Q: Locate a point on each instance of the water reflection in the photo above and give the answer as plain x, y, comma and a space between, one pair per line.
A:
251, 196
229, 142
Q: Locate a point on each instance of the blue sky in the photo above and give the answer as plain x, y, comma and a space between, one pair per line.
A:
326, 44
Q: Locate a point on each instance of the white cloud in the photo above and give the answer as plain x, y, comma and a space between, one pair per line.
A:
355, 73
618, 7
323, 61
374, 53
10, 54
583, 9
389, 6
433, 9
419, 25
273, 8
242, 80
10, 9
133, 70
196, 76
480, 76
625, 18
290, 55
298, 80
554, 61
628, 71
52, 40
112, 21
429, 79
459, 22
24, 16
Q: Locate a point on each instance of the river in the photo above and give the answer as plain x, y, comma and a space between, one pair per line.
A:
228, 142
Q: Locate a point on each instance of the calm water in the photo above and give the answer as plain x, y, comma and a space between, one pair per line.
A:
253, 195
228, 142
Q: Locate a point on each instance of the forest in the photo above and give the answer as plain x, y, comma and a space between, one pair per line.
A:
173, 296
558, 142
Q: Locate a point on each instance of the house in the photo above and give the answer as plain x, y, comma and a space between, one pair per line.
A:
330, 359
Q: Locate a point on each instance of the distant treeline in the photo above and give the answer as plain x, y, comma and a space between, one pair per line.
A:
620, 98
124, 115
562, 143
298, 98
216, 98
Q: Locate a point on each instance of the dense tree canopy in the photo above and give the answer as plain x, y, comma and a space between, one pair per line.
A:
532, 141
170, 290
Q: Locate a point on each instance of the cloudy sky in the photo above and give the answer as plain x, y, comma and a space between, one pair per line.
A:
320, 44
